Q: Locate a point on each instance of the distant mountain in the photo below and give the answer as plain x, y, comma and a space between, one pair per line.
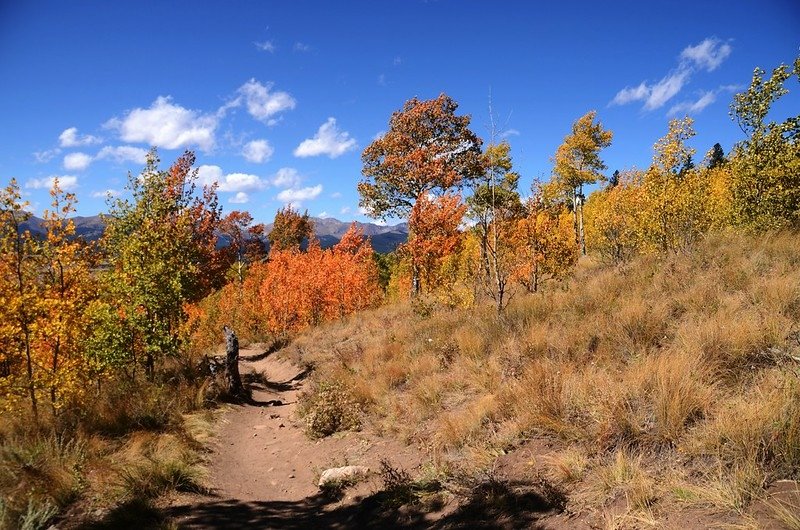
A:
328, 230
90, 228
384, 238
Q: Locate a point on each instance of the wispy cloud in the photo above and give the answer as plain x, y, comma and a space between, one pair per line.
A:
122, 154
693, 107
65, 182
328, 141
168, 125
706, 98
708, 55
666, 89
71, 138
301, 47
47, 155
265, 46
105, 194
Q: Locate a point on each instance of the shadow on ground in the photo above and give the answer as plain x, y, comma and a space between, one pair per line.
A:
503, 507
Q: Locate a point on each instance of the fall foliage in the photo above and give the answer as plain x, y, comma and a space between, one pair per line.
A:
290, 229
427, 149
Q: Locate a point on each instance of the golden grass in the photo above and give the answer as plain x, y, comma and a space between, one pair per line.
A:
686, 358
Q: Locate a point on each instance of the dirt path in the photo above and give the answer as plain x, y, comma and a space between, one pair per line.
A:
264, 470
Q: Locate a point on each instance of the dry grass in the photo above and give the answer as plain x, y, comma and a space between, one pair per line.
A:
690, 359
132, 442
787, 513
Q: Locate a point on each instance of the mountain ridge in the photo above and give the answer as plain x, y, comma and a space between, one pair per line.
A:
329, 230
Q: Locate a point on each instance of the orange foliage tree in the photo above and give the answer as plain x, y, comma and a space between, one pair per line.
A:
433, 235
427, 150
290, 291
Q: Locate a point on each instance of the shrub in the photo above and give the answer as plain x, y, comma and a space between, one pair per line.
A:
330, 408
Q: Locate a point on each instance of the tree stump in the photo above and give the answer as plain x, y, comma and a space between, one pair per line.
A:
235, 387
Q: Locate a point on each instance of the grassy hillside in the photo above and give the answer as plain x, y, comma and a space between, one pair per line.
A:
665, 382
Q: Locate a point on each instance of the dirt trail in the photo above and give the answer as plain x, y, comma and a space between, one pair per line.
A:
264, 470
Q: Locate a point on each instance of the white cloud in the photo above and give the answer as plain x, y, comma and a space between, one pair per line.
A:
692, 107
323, 215
65, 182
263, 104
286, 177
105, 194
119, 154
345, 210
654, 96
266, 46
328, 141
46, 156
382, 80
397, 61
628, 94
666, 89
302, 194
301, 47
77, 161
509, 133
71, 138
257, 151
232, 182
167, 125
336, 195
123, 153
709, 54
240, 198
242, 181
363, 211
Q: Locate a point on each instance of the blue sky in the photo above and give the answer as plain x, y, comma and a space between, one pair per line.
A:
278, 99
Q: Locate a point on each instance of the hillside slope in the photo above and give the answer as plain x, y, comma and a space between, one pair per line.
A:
664, 392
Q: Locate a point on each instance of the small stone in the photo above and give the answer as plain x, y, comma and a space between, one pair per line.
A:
342, 473
291, 476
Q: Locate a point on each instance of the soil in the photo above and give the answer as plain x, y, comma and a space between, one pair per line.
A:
264, 472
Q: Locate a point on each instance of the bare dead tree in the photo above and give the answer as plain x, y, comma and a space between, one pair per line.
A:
235, 387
